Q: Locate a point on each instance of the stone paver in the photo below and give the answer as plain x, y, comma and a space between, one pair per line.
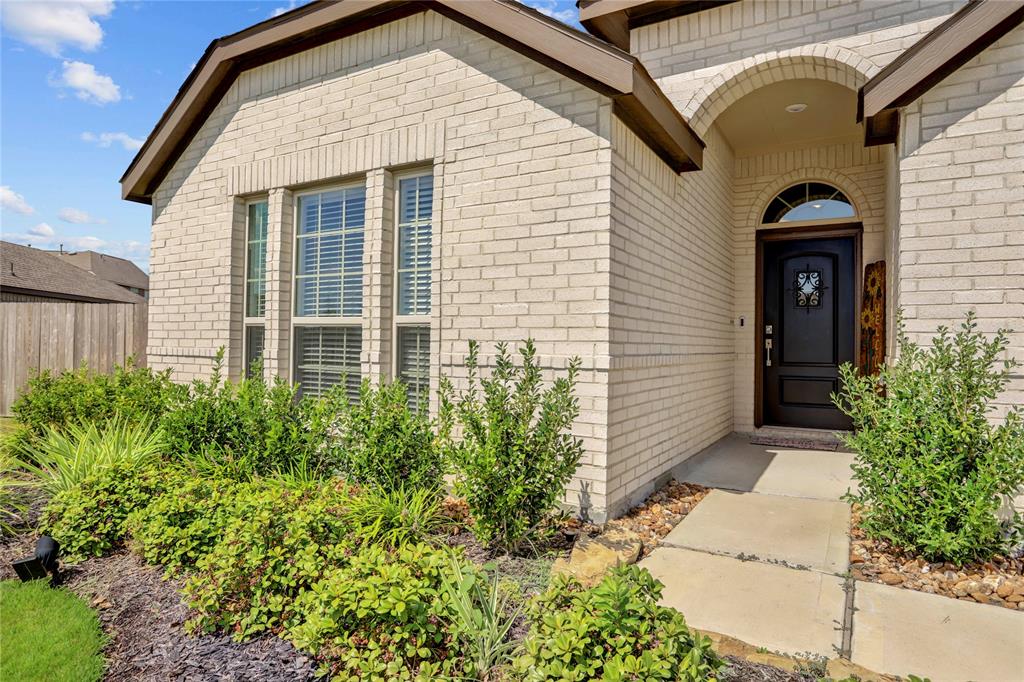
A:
905, 632
778, 608
734, 463
791, 530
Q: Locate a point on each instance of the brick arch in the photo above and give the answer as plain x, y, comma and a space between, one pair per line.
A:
838, 180
822, 62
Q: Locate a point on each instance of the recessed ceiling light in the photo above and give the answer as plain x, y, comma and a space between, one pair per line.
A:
796, 108
816, 205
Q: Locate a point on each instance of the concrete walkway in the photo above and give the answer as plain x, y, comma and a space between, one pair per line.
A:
764, 558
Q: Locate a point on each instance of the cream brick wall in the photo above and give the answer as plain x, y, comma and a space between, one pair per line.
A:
672, 291
961, 175
857, 170
687, 53
521, 158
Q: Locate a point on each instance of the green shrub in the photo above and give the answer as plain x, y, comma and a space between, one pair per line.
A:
614, 631
251, 428
12, 500
183, 523
137, 394
483, 615
395, 517
384, 443
381, 615
516, 452
62, 458
932, 470
283, 544
90, 518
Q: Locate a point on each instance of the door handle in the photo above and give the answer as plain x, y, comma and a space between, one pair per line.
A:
767, 352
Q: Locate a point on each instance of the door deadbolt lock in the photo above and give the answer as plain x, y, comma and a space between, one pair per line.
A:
768, 330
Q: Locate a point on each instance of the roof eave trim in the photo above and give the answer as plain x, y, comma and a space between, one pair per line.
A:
950, 45
602, 67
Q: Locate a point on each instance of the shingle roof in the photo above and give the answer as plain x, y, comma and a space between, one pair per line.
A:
31, 270
111, 268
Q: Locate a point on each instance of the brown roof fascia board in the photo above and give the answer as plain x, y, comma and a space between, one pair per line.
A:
927, 62
612, 20
581, 57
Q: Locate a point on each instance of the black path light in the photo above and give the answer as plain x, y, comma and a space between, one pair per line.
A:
45, 562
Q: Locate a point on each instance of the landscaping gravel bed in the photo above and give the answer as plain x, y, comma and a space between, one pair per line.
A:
661, 512
999, 582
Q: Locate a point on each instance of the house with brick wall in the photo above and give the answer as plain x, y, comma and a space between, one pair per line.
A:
712, 204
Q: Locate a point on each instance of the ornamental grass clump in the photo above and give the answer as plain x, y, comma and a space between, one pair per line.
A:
934, 466
516, 452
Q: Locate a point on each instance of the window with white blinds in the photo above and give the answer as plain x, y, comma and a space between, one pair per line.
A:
414, 364
329, 289
329, 266
415, 214
324, 356
255, 282
414, 233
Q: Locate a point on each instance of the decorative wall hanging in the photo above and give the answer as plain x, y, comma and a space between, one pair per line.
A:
872, 319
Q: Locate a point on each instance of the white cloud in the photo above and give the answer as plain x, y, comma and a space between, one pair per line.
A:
43, 236
13, 201
50, 26
79, 217
106, 139
88, 84
292, 4
41, 230
566, 15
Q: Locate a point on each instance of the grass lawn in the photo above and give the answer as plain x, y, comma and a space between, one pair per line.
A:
47, 634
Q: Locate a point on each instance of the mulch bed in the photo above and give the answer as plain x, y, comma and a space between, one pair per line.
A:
143, 615
999, 582
742, 670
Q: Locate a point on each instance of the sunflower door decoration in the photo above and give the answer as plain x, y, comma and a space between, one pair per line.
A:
872, 319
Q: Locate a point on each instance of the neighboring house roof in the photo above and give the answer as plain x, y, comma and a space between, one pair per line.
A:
638, 100
612, 20
111, 268
924, 64
34, 272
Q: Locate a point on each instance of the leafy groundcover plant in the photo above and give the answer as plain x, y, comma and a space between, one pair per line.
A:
613, 632
933, 470
516, 452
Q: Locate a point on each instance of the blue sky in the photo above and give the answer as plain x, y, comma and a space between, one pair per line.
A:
81, 85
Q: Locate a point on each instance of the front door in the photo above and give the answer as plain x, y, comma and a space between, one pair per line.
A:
808, 327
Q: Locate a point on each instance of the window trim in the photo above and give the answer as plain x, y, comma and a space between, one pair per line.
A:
811, 221
296, 320
248, 321
397, 320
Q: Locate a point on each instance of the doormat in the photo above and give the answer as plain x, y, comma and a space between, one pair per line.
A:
796, 443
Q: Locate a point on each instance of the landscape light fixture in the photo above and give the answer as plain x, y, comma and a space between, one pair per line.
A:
45, 562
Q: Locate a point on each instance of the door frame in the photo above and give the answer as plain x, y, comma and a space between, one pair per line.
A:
853, 229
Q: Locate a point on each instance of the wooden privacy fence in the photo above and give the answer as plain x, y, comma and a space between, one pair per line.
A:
60, 336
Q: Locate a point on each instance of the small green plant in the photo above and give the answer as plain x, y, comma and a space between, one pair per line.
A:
135, 394
279, 548
395, 516
614, 631
90, 518
516, 453
252, 428
12, 488
384, 443
483, 615
48, 634
932, 469
62, 458
381, 615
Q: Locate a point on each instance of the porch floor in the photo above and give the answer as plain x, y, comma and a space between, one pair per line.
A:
768, 562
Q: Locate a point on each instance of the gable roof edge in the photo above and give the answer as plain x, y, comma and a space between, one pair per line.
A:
587, 60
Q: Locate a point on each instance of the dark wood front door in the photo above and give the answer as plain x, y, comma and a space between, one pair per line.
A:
808, 326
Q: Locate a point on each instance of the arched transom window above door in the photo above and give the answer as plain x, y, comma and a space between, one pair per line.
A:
809, 201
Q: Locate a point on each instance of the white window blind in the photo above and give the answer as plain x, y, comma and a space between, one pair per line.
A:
415, 213
414, 364
256, 260
324, 356
329, 269
254, 338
